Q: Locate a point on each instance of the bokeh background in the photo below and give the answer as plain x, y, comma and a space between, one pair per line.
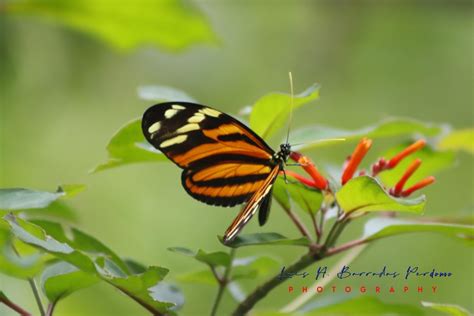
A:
64, 94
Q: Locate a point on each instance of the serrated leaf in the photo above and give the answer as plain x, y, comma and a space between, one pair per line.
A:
377, 228
165, 292
98, 262
433, 161
265, 239
365, 194
270, 111
314, 136
213, 259
171, 25
462, 139
448, 309
128, 145
163, 93
62, 279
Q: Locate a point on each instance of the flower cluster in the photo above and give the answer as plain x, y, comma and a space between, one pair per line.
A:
351, 167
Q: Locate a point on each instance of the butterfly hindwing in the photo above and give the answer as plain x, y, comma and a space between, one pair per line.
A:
251, 207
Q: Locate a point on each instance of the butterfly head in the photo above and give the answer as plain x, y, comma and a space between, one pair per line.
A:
284, 153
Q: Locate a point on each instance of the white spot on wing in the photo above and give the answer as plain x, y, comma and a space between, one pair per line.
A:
154, 127
170, 113
210, 112
174, 141
196, 118
187, 128
178, 107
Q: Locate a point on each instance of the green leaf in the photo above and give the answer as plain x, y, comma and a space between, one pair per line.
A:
365, 194
280, 193
432, 162
308, 199
163, 93
82, 242
377, 228
265, 239
15, 265
134, 267
62, 279
449, 309
360, 305
13, 199
213, 259
40, 203
270, 111
314, 136
172, 25
165, 292
462, 139
252, 267
127, 146
139, 288
93, 258
200, 277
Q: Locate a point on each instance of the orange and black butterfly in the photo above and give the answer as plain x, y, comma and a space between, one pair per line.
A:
224, 162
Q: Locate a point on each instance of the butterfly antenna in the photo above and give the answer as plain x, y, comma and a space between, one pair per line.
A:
291, 106
321, 141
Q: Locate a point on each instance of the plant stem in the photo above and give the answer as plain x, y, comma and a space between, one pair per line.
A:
297, 221
316, 228
346, 246
222, 283
13, 306
261, 291
305, 261
34, 288
321, 223
305, 297
50, 310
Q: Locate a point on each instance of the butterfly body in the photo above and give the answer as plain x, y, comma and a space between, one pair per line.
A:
224, 162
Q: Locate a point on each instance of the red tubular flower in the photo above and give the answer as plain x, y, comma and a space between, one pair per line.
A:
408, 173
407, 151
320, 182
423, 183
300, 178
359, 153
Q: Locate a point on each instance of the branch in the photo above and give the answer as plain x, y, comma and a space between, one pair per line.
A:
305, 297
261, 291
13, 306
346, 246
222, 283
305, 261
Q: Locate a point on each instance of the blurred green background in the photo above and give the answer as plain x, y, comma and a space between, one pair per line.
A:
64, 94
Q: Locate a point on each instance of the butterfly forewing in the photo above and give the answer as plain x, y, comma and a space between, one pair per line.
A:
225, 163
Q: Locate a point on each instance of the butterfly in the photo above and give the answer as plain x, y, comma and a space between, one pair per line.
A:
224, 162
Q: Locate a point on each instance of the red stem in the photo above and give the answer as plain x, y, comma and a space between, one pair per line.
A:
13, 306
